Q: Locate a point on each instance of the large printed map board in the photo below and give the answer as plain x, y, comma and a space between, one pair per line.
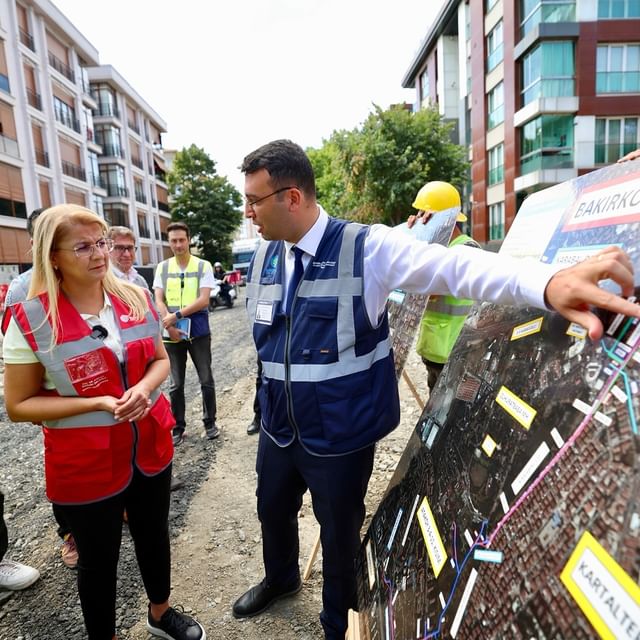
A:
406, 309
515, 509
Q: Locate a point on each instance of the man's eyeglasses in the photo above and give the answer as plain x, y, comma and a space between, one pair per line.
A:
251, 204
123, 248
86, 249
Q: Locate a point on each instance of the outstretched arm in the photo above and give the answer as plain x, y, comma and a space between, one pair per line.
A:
572, 291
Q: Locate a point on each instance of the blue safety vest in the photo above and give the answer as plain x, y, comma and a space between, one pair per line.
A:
328, 374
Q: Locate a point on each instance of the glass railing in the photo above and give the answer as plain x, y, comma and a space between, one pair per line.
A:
117, 191
73, 170
111, 150
495, 117
609, 153
548, 12
61, 67
496, 175
618, 82
548, 88
106, 109
495, 58
67, 120
496, 231
9, 146
27, 40
558, 158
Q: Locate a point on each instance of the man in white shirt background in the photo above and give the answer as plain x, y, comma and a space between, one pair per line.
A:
123, 256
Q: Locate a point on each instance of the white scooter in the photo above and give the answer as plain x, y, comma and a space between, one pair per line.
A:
217, 300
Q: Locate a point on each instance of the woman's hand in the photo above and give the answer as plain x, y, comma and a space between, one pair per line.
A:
133, 405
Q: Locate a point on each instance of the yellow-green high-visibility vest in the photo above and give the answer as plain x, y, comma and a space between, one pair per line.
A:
443, 319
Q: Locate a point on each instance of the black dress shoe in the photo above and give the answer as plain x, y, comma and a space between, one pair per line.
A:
254, 427
261, 597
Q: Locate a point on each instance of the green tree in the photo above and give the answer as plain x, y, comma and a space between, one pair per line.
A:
373, 173
207, 202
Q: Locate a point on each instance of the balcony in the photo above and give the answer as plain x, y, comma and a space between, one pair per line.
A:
116, 191
73, 171
89, 134
111, 150
67, 120
609, 153
548, 158
136, 162
4, 83
495, 58
495, 117
133, 127
96, 180
618, 82
61, 67
140, 197
549, 12
42, 158
107, 109
27, 40
9, 146
34, 100
163, 206
144, 231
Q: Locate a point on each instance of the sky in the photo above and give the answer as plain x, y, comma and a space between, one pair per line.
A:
230, 76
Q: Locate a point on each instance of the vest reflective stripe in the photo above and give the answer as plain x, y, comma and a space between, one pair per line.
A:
91, 418
175, 294
318, 373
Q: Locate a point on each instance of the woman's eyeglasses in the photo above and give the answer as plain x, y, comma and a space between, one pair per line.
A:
86, 249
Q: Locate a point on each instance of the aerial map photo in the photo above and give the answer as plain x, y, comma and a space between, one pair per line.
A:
515, 509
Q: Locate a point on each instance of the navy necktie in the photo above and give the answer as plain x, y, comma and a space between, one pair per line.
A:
298, 270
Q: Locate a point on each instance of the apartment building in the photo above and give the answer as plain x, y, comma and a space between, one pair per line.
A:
539, 91
73, 131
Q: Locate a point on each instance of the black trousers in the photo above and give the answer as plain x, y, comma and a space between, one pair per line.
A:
257, 412
200, 351
434, 369
4, 536
338, 486
97, 530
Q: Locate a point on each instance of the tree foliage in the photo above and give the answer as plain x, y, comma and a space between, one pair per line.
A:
207, 202
372, 173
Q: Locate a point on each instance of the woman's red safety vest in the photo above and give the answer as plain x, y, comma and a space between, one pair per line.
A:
90, 456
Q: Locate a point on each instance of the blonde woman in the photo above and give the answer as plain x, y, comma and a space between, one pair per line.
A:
84, 357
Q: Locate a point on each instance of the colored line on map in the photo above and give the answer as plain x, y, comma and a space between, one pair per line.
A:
392, 626
480, 541
576, 434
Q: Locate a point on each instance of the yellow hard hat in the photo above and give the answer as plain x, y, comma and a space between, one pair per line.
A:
438, 196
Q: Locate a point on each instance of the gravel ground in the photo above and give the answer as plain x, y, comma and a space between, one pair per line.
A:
216, 549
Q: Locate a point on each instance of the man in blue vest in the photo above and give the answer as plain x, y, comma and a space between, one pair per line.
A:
316, 296
182, 285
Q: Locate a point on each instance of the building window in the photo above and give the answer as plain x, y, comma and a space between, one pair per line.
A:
105, 96
496, 164
618, 9
65, 114
97, 204
496, 221
495, 106
533, 12
112, 176
116, 214
491, 4
424, 86
108, 137
618, 68
494, 47
547, 143
615, 137
548, 71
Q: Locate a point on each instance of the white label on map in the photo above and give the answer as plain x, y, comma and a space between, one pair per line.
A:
468, 538
488, 555
582, 406
464, 600
518, 409
413, 510
442, 600
600, 417
633, 338
557, 438
394, 530
418, 634
619, 394
432, 538
613, 202
636, 356
371, 571
577, 331
504, 503
530, 468
526, 329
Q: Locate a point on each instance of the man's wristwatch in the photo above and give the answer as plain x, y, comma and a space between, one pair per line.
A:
179, 315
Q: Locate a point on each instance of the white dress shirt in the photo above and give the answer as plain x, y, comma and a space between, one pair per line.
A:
395, 260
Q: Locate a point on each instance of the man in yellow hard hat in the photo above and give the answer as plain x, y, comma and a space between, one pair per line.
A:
445, 315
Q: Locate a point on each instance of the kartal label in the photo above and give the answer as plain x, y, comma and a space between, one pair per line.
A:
608, 597
522, 330
432, 538
518, 409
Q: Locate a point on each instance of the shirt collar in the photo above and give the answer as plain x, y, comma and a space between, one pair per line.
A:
310, 240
